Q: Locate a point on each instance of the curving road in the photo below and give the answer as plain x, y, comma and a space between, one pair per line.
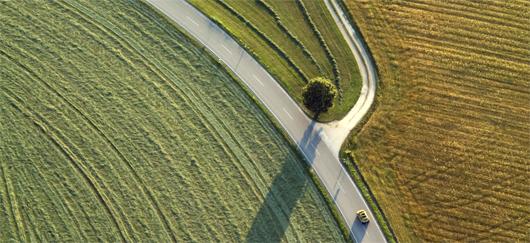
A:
320, 143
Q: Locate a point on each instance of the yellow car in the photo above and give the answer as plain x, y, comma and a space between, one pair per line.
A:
362, 216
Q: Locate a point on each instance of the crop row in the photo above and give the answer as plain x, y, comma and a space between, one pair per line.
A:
291, 36
457, 146
84, 15
103, 155
323, 43
264, 36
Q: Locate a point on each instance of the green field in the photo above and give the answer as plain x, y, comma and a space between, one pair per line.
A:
116, 127
296, 40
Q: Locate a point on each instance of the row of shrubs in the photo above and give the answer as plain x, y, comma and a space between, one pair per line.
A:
336, 71
266, 38
284, 29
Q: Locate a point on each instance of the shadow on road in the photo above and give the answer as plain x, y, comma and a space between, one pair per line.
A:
273, 218
310, 141
361, 229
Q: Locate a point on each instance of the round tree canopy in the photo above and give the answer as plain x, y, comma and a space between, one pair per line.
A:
319, 94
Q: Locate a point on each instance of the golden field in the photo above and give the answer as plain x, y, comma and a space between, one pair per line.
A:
446, 150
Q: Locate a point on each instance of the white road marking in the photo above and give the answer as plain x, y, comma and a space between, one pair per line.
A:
257, 79
193, 21
287, 113
228, 50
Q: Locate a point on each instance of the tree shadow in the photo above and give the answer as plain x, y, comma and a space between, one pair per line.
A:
273, 217
309, 142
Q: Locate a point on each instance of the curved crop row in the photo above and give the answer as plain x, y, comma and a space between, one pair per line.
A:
336, 70
273, 44
107, 110
292, 36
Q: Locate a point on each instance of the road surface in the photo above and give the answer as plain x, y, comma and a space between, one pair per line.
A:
320, 143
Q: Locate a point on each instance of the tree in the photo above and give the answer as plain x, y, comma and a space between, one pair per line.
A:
319, 95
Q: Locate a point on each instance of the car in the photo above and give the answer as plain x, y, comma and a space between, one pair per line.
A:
362, 216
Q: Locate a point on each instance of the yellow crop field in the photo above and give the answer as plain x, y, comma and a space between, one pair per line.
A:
447, 150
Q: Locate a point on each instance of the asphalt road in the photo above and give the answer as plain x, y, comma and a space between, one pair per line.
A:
340, 129
318, 142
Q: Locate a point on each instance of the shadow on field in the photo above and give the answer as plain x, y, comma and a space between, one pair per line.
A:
287, 188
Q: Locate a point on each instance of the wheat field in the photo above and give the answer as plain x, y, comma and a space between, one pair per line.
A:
447, 149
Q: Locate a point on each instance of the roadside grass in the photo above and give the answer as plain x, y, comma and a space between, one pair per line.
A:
280, 36
446, 150
116, 127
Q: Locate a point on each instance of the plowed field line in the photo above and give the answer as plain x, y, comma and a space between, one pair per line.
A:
156, 69
18, 222
74, 161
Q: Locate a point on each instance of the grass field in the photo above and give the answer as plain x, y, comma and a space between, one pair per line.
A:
115, 127
447, 149
296, 40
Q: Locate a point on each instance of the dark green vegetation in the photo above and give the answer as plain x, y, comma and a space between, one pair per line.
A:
447, 149
297, 40
115, 127
318, 95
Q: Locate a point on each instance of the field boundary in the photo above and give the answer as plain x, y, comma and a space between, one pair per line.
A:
333, 210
